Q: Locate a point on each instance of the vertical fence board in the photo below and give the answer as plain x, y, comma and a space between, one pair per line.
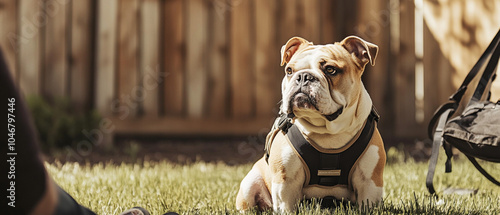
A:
30, 46
217, 54
105, 78
266, 80
309, 20
128, 88
174, 55
196, 70
9, 35
242, 75
346, 16
404, 101
286, 20
437, 73
373, 26
80, 67
286, 25
327, 21
149, 65
55, 70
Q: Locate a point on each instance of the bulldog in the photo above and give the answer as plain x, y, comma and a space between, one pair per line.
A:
328, 107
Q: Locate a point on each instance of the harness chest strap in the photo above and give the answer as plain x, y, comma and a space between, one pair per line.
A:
325, 168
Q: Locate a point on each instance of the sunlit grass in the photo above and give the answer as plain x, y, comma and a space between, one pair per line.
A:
210, 188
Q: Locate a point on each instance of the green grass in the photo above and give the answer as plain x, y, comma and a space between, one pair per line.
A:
210, 188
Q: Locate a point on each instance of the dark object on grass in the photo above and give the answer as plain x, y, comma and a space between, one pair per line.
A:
142, 211
136, 211
476, 132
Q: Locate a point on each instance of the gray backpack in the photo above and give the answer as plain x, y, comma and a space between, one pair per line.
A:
475, 132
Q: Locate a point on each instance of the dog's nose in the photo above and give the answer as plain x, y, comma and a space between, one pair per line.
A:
305, 78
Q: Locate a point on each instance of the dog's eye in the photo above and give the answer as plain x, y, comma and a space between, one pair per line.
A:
331, 70
289, 71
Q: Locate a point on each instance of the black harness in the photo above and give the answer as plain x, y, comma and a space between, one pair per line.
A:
324, 167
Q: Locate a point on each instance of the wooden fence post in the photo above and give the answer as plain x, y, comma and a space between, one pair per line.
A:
9, 35
174, 55
149, 68
81, 66
242, 70
105, 55
55, 64
196, 61
32, 20
218, 63
129, 93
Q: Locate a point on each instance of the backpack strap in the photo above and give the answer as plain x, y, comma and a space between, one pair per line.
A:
457, 96
482, 171
437, 141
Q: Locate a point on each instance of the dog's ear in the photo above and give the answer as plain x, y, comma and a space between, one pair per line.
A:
365, 51
291, 47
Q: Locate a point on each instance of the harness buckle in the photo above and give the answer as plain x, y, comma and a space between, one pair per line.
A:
284, 123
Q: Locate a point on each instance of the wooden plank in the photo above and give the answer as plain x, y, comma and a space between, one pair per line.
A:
150, 43
196, 62
55, 70
437, 73
346, 16
173, 57
106, 55
129, 93
267, 71
404, 101
287, 25
195, 127
30, 46
287, 28
218, 87
80, 67
327, 21
309, 20
9, 35
373, 26
242, 77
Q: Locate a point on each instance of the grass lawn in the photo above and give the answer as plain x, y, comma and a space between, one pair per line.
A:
210, 188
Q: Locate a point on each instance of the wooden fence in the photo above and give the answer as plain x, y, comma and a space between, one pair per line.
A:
211, 67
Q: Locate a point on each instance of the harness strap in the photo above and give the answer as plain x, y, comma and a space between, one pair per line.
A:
330, 169
282, 123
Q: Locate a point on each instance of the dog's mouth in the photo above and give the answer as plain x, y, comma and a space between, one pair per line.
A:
301, 100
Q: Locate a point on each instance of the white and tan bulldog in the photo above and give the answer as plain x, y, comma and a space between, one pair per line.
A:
322, 88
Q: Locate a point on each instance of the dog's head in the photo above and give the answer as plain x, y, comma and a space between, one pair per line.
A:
323, 80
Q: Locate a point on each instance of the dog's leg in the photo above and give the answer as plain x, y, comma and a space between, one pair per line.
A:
287, 180
369, 194
253, 192
286, 195
368, 177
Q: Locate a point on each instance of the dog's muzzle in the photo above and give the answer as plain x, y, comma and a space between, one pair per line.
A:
301, 98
